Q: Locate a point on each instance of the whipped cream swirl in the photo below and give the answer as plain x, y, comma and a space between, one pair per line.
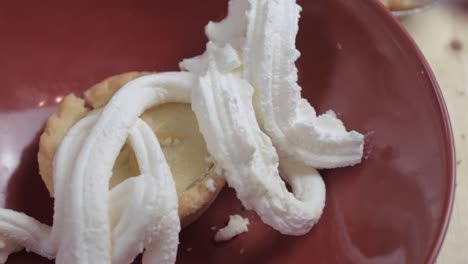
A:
263, 33
91, 223
223, 106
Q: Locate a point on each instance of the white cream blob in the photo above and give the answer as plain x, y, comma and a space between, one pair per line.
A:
267, 50
263, 33
91, 223
269, 56
236, 226
210, 185
223, 106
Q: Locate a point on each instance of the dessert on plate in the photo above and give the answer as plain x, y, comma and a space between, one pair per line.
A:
243, 94
177, 131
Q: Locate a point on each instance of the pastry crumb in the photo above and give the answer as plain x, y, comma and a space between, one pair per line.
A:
339, 46
236, 226
210, 185
165, 142
168, 141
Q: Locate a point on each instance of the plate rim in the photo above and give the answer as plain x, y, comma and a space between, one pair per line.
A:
444, 222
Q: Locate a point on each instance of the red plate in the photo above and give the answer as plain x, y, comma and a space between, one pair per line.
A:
356, 59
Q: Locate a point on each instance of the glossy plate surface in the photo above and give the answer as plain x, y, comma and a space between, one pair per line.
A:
356, 59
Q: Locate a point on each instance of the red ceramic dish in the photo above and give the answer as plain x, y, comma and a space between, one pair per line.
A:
356, 59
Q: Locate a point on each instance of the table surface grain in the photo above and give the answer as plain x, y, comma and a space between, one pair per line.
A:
442, 35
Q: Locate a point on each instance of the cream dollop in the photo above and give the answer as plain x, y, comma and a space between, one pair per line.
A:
223, 106
236, 226
91, 223
93, 167
263, 32
229, 101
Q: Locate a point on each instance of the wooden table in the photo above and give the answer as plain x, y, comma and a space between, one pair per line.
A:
442, 35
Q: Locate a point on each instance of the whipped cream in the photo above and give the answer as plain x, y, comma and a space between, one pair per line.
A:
87, 234
91, 223
223, 106
259, 82
245, 96
236, 226
263, 32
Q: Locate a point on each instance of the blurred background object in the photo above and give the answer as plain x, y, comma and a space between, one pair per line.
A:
406, 7
400, 5
441, 33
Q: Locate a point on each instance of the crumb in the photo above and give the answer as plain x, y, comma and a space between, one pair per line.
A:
236, 226
459, 162
242, 251
166, 142
456, 45
189, 249
368, 146
213, 228
210, 185
369, 135
331, 113
339, 46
